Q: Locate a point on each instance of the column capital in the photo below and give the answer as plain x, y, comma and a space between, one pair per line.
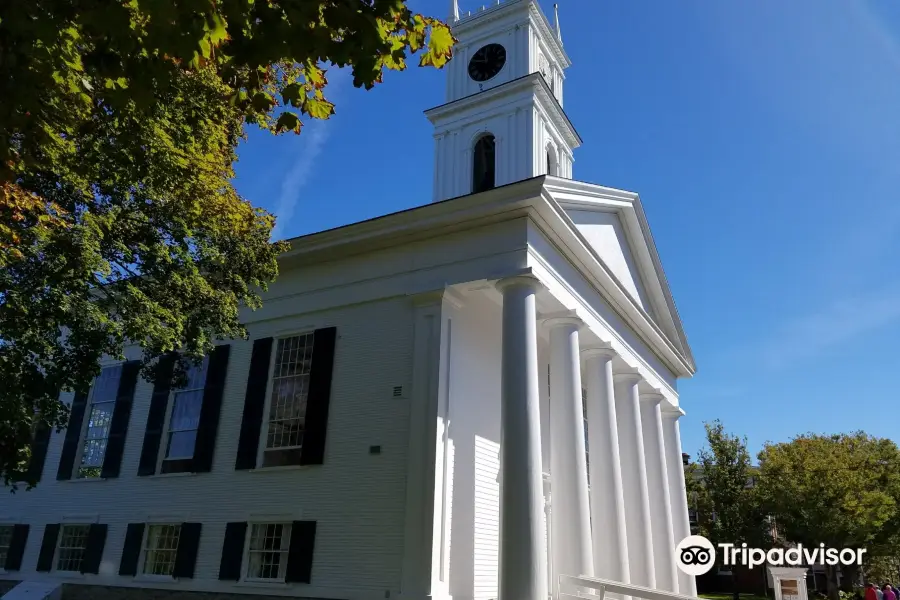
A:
651, 397
672, 412
629, 377
566, 317
524, 280
601, 351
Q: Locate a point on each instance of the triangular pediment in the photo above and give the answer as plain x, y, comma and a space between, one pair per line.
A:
606, 235
612, 222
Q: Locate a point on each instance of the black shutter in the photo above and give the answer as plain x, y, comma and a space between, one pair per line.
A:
319, 397
131, 551
73, 436
39, 451
16, 549
186, 555
232, 552
93, 551
254, 404
156, 417
118, 427
300, 553
205, 445
48, 548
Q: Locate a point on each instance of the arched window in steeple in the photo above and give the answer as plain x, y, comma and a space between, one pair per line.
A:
483, 164
552, 162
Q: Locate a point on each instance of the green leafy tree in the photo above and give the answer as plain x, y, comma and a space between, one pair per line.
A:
722, 486
119, 123
881, 569
840, 490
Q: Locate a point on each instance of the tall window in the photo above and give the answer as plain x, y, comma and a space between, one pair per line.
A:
185, 417
160, 549
267, 552
72, 544
552, 163
102, 403
290, 387
483, 165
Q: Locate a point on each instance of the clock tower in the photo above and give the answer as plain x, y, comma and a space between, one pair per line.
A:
503, 120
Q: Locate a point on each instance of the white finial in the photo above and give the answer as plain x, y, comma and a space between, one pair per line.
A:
454, 11
556, 22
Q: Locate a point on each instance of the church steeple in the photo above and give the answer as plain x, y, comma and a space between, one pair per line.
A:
556, 22
503, 119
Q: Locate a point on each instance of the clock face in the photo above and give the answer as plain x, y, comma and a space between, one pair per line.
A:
487, 62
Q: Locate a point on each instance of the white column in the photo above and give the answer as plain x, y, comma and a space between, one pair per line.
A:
634, 481
660, 506
607, 497
571, 514
687, 584
522, 569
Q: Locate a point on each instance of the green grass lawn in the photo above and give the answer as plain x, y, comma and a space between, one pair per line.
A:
729, 597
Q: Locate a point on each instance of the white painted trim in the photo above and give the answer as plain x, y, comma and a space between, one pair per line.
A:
416, 565
532, 83
529, 198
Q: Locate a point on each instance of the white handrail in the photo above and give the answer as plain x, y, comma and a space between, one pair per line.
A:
606, 586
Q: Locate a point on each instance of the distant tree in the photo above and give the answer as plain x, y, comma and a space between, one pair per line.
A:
119, 123
840, 490
882, 569
722, 484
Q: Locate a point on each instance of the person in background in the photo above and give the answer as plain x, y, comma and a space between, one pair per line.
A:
888, 592
870, 592
878, 593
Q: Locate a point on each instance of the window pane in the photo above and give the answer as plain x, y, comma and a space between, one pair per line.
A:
186, 410
267, 554
106, 386
290, 388
161, 548
185, 416
196, 376
72, 543
181, 444
99, 419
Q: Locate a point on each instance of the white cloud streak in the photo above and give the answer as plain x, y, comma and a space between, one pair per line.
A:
312, 142
838, 323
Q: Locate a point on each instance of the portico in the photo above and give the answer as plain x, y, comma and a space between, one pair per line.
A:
628, 452
612, 516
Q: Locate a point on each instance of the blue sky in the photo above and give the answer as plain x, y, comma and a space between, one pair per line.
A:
764, 140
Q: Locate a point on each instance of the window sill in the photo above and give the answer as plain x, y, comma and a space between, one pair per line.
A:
281, 468
165, 475
85, 479
251, 583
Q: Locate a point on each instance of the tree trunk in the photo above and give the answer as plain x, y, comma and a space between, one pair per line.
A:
831, 577
735, 590
851, 574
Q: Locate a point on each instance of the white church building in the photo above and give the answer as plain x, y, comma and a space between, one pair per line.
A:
469, 400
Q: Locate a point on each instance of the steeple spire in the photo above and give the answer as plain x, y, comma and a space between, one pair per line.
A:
454, 11
556, 22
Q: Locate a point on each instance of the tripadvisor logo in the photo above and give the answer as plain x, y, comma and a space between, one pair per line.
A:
696, 555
